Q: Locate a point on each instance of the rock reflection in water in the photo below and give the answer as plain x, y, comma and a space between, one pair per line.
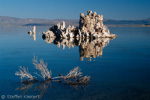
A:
88, 48
92, 49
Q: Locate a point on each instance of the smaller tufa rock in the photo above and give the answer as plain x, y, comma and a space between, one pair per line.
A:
34, 29
30, 32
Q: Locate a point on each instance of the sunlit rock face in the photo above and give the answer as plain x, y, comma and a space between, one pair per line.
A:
90, 26
88, 48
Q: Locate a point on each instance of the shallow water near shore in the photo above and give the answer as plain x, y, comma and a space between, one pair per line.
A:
122, 72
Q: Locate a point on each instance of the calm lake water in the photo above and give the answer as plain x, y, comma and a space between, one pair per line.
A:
119, 71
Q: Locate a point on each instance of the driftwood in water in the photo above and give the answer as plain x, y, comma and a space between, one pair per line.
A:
74, 77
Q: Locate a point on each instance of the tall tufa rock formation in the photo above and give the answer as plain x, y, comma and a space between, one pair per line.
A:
90, 26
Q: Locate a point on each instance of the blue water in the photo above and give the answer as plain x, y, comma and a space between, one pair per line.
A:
122, 72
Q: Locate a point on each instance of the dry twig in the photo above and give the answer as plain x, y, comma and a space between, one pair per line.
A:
42, 67
24, 73
73, 73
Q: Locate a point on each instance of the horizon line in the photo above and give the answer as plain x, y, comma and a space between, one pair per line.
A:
76, 19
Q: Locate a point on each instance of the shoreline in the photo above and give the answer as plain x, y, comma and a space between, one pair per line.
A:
128, 25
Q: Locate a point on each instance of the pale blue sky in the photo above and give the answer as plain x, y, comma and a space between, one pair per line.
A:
70, 9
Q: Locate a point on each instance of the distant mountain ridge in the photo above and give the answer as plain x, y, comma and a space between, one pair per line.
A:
4, 20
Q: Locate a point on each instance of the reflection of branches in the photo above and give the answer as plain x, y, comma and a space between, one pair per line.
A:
25, 88
43, 87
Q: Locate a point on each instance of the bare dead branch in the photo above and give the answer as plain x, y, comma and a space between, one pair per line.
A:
73, 73
24, 73
42, 67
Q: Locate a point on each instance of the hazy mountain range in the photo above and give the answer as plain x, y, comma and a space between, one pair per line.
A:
41, 22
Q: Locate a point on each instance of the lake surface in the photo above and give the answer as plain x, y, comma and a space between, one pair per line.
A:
120, 70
